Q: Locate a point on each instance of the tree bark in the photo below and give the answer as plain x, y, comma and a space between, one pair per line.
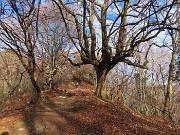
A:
168, 97
35, 91
30, 68
101, 74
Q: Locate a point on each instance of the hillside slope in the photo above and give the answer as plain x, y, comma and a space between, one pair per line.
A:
77, 112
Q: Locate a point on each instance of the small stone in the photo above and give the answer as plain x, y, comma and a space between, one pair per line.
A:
62, 96
21, 129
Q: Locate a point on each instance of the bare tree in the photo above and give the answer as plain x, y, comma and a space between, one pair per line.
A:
109, 32
11, 74
53, 43
19, 33
119, 82
168, 97
177, 77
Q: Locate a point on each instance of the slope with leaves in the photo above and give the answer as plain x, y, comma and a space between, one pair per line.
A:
77, 111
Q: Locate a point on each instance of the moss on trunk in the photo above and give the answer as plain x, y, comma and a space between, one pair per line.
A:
101, 74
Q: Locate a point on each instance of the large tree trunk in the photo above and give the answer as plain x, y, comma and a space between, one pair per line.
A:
101, 74
35, 91
30, 68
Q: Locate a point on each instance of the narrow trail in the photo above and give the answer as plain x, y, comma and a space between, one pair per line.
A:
78, 112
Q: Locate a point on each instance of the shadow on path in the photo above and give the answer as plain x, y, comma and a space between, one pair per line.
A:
71, 114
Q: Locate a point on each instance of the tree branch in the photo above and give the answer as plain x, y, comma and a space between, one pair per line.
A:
135, 64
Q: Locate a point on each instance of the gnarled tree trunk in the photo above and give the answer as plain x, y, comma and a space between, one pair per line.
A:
101, 74
35, 91
30, 68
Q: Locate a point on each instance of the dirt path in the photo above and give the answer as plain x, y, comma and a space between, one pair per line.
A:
77, 112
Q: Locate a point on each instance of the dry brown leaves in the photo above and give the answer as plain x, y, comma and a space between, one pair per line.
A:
77, 111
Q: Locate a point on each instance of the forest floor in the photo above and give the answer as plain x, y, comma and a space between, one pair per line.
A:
77, 112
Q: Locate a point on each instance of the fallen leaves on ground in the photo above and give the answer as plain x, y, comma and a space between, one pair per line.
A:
78, 112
